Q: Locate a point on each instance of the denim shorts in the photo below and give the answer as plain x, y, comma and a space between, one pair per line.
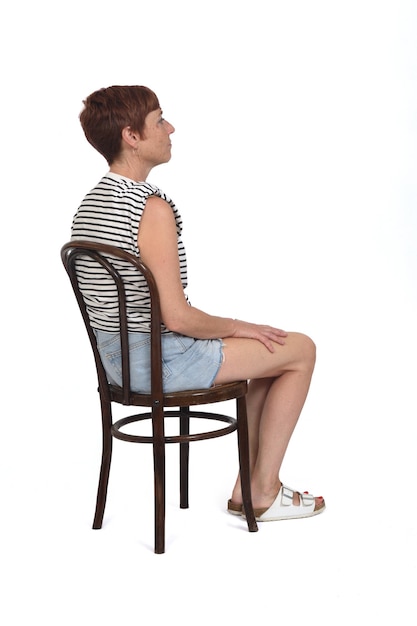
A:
187, 363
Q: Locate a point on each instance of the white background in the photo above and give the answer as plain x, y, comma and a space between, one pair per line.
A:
295, 155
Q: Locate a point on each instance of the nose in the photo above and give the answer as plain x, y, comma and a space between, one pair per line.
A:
170, 128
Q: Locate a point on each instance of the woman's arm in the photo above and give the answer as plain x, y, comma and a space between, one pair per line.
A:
157, 242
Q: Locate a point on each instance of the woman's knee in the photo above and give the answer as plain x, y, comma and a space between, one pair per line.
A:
307, 351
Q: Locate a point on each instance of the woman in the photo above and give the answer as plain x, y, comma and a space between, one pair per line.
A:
125, 124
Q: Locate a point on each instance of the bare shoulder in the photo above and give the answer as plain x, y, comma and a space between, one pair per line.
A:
157, 218
158, 207
157, 225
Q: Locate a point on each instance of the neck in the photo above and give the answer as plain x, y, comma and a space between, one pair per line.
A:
134, 170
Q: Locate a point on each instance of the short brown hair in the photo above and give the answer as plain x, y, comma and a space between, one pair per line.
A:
107, 111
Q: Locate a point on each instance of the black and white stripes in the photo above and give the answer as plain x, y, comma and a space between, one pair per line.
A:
110, 213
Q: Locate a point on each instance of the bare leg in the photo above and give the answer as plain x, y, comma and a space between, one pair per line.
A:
257, 392
274, 405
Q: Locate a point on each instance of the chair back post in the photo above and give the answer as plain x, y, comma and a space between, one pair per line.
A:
158, 422
104, 254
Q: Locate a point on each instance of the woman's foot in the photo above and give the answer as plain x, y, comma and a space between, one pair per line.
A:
290, 504
287, 504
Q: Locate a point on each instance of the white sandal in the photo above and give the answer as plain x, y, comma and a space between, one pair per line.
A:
283, 507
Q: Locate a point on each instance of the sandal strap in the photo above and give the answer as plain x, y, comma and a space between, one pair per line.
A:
287, 497
307, 499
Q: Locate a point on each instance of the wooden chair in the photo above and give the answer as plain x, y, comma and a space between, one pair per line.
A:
161, 405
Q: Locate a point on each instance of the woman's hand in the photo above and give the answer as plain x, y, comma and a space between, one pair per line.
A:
265, 334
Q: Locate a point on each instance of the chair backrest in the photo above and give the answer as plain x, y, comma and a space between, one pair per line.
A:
105, 256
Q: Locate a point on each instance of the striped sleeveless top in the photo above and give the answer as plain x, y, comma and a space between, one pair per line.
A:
110, 214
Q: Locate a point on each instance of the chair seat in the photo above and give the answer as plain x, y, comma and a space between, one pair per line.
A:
218, 393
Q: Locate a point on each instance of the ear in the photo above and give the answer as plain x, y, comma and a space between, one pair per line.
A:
130, 137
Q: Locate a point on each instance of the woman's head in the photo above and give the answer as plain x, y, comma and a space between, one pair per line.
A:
107, 111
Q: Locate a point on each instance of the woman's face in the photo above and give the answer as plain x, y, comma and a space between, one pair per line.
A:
155, 147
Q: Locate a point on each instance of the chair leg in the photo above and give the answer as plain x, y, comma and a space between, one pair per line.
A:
243, 446
159, 485
106, 457
184, 457
159, 478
